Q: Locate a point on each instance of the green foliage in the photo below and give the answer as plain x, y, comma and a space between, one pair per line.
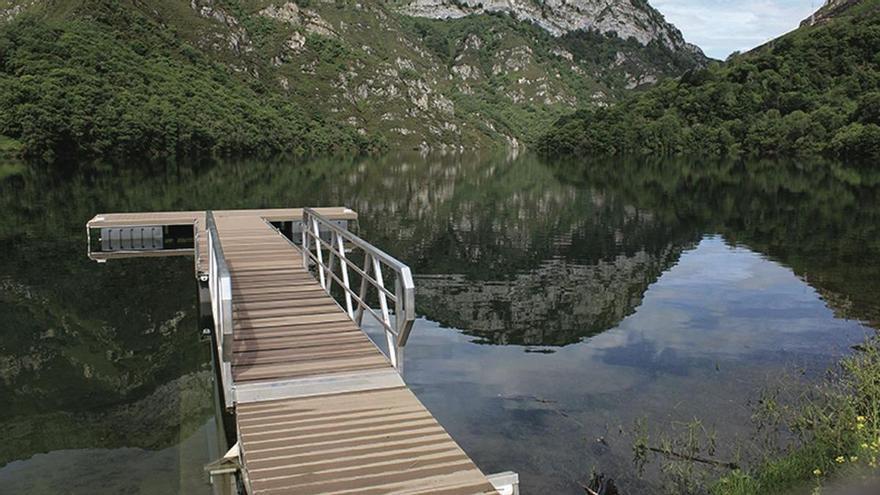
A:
601, 50
814, 91
837, 426
9, 146
810, 435
119, 85
868, 111
857, 140
477, 41
328, 50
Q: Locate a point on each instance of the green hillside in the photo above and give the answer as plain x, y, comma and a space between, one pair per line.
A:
151, 79
813, 91
118, 84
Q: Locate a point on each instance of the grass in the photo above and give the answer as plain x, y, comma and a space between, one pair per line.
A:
11, 169
837, 427
811, 438
9, 146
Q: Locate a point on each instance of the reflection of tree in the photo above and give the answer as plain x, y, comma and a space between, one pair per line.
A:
84, 344
504, 251
821, 219
512, 251
172, 412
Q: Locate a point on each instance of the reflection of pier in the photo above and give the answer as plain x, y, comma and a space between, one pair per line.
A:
318, 407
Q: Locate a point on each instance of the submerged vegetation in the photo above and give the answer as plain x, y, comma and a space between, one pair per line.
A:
836, 430
120, 85
814, 91
810, 439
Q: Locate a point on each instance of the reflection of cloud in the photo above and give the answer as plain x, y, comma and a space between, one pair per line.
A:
718, 303
708, 334
722, 27
731, 303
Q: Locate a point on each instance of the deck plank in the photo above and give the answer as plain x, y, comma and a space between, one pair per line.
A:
363, 442
287, 328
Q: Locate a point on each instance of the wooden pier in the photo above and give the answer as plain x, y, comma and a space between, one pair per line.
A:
319, 408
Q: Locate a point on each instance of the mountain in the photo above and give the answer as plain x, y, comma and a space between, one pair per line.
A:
623, 19
813, 91
831, 9
314, 76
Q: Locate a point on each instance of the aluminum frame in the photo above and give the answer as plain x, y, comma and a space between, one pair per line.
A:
220, 288
400, 303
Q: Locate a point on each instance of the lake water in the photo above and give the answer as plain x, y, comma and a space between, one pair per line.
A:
559, 304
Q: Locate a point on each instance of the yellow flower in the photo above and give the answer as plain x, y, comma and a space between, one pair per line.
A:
860, 426
860, 419
853, 458
840, 459
817, 472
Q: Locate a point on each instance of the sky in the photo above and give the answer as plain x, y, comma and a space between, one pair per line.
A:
721, 27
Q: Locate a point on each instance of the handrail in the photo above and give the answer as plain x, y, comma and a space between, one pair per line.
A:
402, 299
220, 287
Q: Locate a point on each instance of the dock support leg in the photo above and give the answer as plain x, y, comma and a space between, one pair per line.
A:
507, 483
223, 473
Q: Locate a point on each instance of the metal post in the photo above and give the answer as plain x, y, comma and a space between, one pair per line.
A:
362, 293
317, 233
383, 304
331, 264
344, 265
305, 239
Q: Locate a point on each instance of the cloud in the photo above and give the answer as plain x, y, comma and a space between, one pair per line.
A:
722, 27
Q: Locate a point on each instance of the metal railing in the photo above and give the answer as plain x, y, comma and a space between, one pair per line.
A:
396, 310
220, 287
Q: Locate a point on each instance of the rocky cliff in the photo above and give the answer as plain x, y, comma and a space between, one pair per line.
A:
446, 75
622, 18
428, 74
831, 9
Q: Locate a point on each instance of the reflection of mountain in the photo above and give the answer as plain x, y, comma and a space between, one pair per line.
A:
90, 355
821, 219
555, 304
76, 343
172, 412
504, 251
509, 250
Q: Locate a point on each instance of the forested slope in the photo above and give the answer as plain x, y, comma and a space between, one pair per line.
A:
146, 79
813, 91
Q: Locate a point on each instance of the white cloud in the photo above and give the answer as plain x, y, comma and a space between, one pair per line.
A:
722, 27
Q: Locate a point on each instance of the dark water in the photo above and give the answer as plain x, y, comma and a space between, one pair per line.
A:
559, 303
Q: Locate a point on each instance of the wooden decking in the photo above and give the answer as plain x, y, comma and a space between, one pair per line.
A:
319, 409
197, 220
362, 443
285, 325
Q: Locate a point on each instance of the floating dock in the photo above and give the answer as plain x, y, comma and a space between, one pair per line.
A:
318, 407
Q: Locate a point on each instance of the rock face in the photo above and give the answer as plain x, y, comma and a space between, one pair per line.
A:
831, 9
432, 75
625, 18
